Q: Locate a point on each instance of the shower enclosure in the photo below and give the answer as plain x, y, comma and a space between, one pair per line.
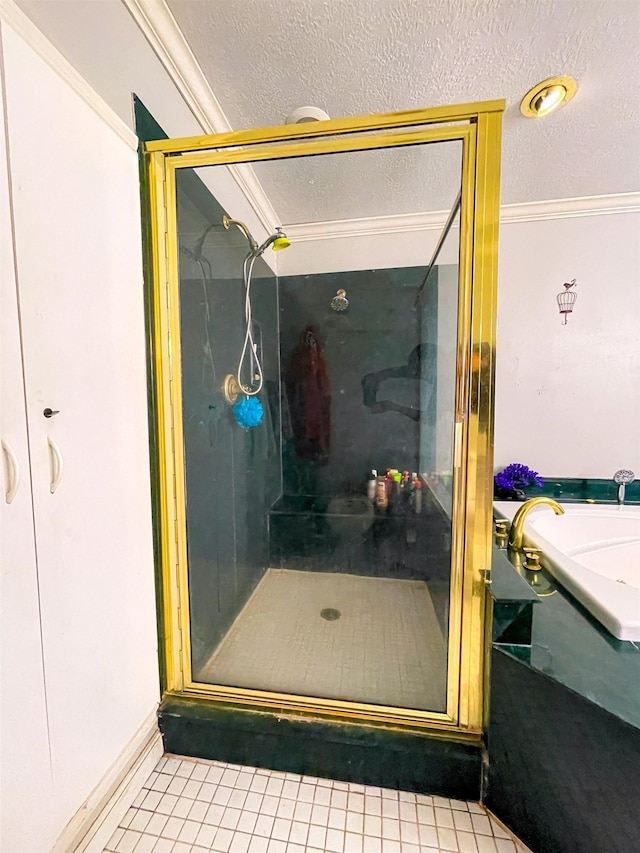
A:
325, 413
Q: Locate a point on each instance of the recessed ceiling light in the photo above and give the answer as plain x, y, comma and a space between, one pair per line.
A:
548, 96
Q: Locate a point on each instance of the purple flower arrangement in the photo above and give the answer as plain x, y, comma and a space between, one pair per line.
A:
514, 479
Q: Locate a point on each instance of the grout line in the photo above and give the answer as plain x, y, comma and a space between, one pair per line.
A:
292, 814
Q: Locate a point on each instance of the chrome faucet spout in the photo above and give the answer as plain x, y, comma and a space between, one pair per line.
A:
623, 477
517, 525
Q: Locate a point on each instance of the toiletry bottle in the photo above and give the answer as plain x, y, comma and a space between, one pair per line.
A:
418, 495
372, 485
389, 483
404, 488
411, 493
393, 491
382, 501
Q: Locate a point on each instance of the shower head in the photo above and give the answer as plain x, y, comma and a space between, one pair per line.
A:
277, 241
281, 241
340, 301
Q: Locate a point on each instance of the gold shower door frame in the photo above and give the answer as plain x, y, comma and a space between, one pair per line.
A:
478, 126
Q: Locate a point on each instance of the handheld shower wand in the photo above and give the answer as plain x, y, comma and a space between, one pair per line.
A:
278, 240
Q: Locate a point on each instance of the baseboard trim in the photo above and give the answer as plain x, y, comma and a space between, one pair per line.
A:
97, 819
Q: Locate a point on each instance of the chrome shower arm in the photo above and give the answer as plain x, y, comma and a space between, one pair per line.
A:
228, 222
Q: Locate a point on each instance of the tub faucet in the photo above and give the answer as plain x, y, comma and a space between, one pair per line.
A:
517, 525
623, 477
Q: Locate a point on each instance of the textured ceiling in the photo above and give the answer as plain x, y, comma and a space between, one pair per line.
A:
263, 58
365, 183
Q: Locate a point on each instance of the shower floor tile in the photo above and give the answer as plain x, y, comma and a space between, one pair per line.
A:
336, 636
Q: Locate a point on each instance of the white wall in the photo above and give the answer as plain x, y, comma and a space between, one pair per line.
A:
568, 397
72, 217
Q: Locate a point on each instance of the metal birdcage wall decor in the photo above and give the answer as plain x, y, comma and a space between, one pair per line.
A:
567, 299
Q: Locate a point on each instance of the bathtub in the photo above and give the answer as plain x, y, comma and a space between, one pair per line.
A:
593, 550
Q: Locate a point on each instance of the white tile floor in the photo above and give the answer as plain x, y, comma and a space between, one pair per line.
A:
386, 647
193, 806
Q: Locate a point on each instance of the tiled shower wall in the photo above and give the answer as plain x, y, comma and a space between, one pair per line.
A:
384, 323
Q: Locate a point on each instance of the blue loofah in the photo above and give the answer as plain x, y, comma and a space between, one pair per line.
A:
248, 412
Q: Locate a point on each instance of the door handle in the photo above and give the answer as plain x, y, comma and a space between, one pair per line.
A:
13, 478
56, 465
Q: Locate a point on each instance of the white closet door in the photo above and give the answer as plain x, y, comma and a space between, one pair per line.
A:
78, 247
25, 771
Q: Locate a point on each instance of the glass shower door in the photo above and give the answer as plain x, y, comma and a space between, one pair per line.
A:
319, 539
326, 415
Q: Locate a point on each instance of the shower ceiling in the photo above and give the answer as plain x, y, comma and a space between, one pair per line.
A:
364, 183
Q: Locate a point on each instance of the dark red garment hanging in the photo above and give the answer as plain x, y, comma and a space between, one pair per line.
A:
309, 393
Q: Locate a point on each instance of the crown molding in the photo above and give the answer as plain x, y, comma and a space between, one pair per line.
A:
159, 27
368, 226
15, 18
161, 30
571, 208
536, 211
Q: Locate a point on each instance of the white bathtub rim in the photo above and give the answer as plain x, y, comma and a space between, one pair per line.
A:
587, 586
510, 508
